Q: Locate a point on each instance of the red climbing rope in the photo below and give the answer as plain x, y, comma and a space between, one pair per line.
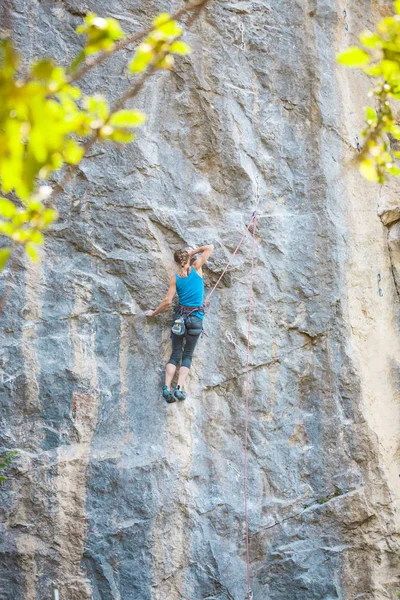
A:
246, 512
253, 222
207, 300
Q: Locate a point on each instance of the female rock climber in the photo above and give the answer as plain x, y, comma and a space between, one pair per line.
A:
188, 284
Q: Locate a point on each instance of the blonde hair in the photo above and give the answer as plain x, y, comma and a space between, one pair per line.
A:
181, 257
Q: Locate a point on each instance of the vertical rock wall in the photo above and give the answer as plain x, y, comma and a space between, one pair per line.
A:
116, 495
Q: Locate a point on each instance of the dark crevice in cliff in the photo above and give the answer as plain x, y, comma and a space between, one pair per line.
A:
393, 262
254, 368
314, 505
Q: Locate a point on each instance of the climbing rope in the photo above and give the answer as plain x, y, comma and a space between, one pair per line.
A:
253, 225
246, 511
207, 300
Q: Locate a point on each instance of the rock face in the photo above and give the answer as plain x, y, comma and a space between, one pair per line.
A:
116, 495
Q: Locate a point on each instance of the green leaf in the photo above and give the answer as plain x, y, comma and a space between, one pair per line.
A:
21, 235
170, 29
161, 19
368, 170
5, 254
370, 40
100, 33
36, 237
20, 218
10, 58
143, 57
35, 205
7, 208
394, 130
122, 136
77, 61
397, 6
393, 170
389, 68
32, 252
114, 29
43, 69
370, 115
374, 71
48, 216
166, 63
73, 152
97, 106
353, 57
386, 25
7, 228
127, 118
106, 131
180, 47
58, 77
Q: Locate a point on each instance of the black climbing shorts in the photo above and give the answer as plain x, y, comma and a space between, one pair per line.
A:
183, 345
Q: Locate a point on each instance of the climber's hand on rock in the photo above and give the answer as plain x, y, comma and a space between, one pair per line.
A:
149, 313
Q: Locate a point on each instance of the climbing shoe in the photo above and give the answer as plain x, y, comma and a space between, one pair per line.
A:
178, 393
167, 395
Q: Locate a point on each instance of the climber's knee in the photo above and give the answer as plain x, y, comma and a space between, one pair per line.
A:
174, 358
187, 360
188, 351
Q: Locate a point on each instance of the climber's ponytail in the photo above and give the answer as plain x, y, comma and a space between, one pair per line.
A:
181, 257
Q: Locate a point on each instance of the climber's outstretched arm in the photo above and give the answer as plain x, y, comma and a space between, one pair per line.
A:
166, 303
205, 253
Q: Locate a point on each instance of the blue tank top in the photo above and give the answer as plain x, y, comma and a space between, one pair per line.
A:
190, 291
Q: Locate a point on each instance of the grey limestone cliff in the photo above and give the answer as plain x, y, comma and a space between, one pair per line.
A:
116, 495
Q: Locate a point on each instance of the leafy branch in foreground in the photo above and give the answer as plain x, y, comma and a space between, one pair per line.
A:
379, 59
46, 122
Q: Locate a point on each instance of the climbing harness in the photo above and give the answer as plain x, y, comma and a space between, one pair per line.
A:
183, 322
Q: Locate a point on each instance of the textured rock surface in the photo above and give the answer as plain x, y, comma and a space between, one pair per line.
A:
118, 496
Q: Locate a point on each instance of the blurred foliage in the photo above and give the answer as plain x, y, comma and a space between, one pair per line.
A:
158, 48
5, 462
380, 60
45, 121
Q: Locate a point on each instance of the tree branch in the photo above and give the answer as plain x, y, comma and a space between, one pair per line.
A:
130, 92
195, 7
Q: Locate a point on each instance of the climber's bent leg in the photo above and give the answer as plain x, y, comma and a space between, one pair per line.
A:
191, 341
177, 341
